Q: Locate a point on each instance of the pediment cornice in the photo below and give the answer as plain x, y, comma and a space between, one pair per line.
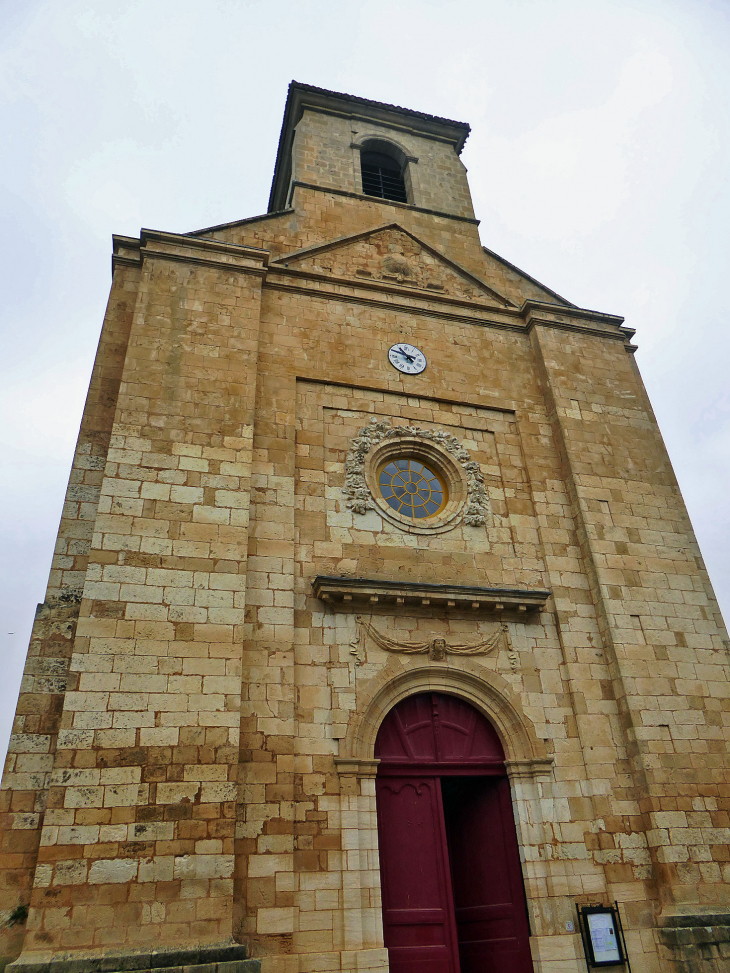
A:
304, 259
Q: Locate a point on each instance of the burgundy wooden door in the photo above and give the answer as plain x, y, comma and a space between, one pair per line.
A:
439, 733
489, 902
453, 900
418, 915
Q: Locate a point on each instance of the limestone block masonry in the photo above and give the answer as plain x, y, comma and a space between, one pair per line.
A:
233, 608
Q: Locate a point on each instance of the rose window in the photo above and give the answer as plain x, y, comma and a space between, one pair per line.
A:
411, 488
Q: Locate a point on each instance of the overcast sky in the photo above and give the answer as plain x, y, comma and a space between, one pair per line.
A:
597, 161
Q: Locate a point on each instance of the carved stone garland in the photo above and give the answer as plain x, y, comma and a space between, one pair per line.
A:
356, 490
436, 648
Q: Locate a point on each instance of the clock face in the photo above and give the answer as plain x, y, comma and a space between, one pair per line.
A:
407, 358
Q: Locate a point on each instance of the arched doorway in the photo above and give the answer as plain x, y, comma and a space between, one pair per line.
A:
453, 897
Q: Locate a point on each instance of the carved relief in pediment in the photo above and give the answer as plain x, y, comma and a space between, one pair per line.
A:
390, 255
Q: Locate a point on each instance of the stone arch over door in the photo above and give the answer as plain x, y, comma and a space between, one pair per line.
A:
486, 691
527, 763
452, 886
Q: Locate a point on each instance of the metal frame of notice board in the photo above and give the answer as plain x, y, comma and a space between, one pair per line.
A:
602, 933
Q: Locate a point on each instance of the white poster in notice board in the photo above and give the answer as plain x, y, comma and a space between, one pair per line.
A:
604, 940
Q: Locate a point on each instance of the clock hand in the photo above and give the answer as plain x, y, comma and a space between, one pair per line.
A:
405, 354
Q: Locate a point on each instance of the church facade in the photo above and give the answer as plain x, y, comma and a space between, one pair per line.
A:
376, 636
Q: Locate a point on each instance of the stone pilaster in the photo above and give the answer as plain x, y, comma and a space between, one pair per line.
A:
137, 843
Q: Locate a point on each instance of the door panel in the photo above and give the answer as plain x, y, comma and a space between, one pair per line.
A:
453, 898
418, 921
489, 903
433, 728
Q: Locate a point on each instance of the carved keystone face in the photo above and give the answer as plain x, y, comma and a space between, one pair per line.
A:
438, 650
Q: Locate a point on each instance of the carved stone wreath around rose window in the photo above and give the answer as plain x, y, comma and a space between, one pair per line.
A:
381, 441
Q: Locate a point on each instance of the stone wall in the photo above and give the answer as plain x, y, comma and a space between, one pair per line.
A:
31, 753
696, 943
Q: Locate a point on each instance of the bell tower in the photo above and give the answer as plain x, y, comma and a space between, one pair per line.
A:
325, 136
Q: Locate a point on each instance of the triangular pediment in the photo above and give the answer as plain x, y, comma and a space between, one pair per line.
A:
392, 255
